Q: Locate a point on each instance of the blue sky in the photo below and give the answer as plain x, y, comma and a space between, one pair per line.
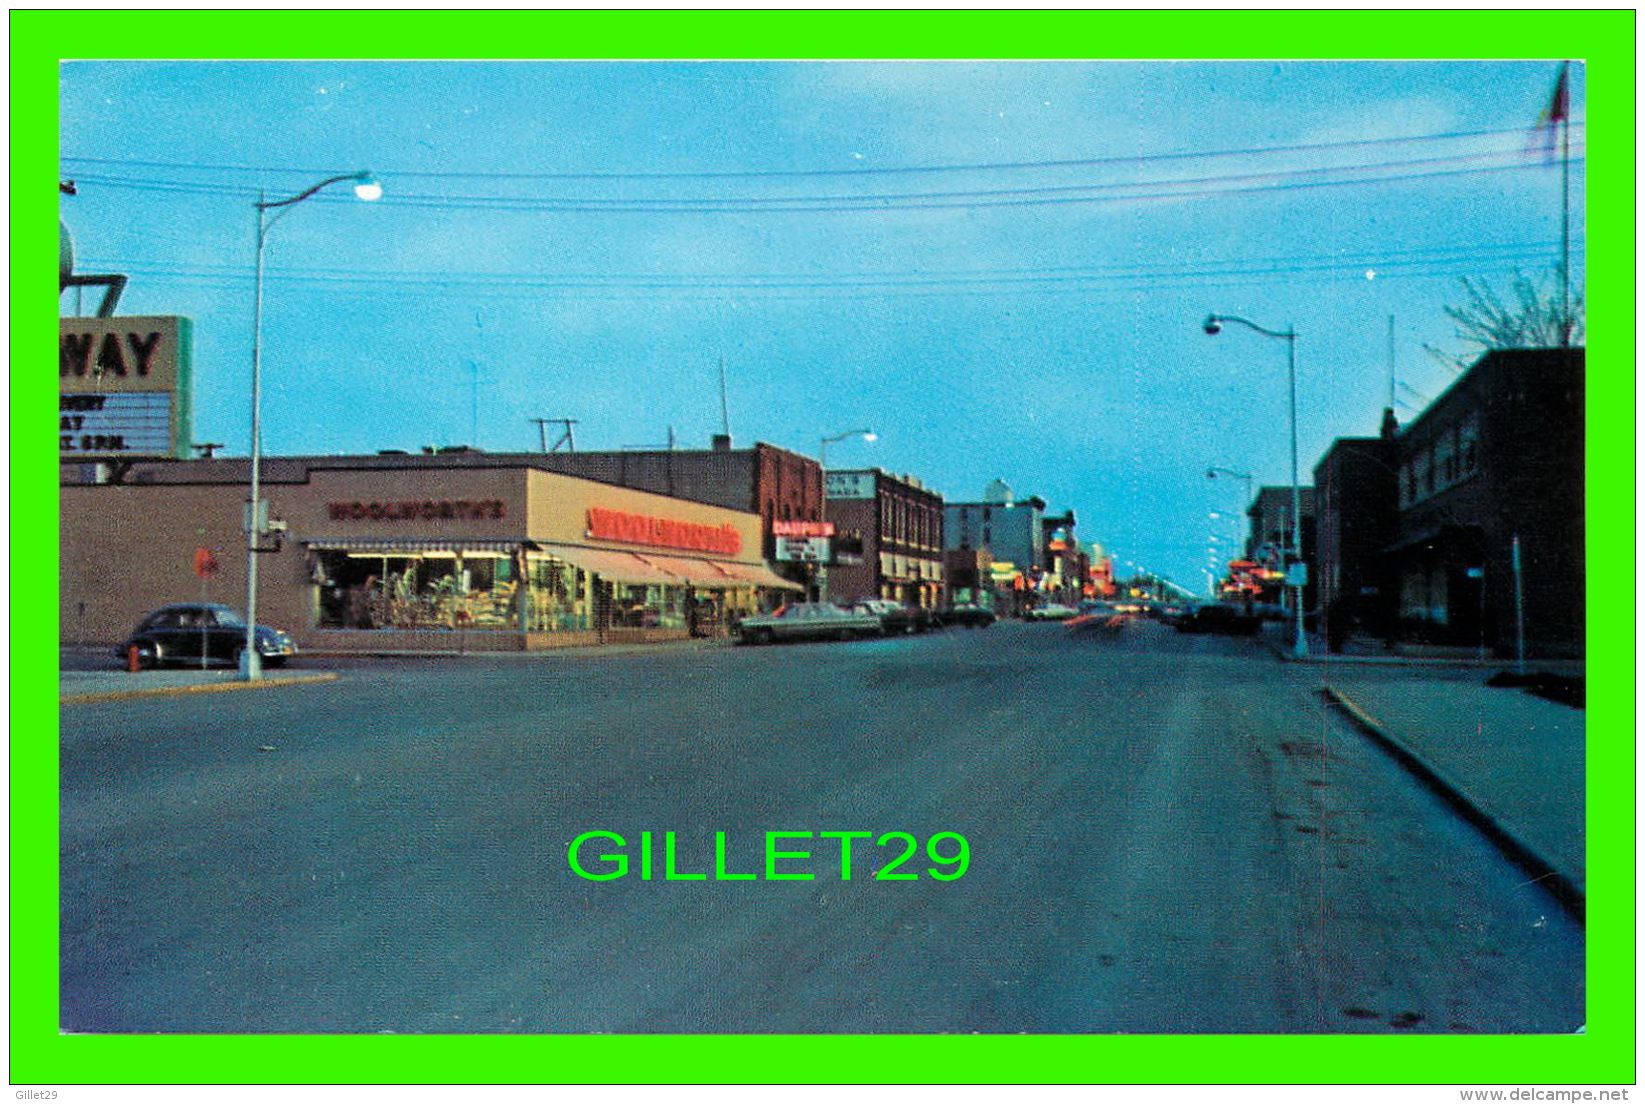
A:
1002, 268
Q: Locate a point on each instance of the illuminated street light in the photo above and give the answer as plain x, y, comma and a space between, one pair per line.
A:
1213, 326
367, 188
866, 434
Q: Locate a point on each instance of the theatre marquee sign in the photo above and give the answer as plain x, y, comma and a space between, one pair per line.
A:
124, 387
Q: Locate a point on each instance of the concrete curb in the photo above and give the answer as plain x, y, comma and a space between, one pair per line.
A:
1523, 854
197, 688
1322, 658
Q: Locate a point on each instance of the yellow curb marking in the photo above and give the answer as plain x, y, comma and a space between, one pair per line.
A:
203, 688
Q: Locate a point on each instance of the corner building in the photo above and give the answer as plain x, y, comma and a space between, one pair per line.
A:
395, 553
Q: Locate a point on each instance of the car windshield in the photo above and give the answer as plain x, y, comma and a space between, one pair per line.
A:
228, 619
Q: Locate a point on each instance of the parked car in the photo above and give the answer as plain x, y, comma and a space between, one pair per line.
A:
183, 633
1217, 617
896, 619
967, 616
808, 621
1052, 611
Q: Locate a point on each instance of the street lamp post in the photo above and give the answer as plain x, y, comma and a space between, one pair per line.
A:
256, 521
1213, 326
1250, 480
822, 462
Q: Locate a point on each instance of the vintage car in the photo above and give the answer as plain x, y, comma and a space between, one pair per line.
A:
896, 619
199, 633
1052, 611
808, 621
966, 616
1219, 617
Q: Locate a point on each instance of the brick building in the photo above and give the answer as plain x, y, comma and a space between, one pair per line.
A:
893, 529
1355, 487
1495, 463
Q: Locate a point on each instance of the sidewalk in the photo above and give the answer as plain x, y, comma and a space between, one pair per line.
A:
97, 680
1516, 762
115, 684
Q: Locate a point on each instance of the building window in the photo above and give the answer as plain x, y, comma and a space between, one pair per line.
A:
648, 607
1445, 459
1468, 445
559, 596
415, 590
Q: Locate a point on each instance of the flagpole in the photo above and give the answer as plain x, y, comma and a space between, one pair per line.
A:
1565, 214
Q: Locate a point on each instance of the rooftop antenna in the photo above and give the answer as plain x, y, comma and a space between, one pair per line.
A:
654, 448
725, 410
565, 438
474, 365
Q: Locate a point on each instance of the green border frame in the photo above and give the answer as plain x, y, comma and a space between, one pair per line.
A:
1605, 1055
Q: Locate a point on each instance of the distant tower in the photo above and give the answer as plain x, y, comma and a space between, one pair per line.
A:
998, 493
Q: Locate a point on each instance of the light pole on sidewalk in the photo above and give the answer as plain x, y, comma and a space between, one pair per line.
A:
256, 521
1213, 326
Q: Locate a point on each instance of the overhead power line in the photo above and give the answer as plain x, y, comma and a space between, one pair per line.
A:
1161, 189
851, 171
1411, 263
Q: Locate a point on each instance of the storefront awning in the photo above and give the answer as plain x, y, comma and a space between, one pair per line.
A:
406, 546
721, 574
1467, 538
759, 575
643, 567
701, 573
612, 566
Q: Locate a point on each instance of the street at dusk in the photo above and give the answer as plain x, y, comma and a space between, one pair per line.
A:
699, 552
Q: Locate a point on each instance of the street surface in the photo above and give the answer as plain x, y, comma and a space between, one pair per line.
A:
1166, 833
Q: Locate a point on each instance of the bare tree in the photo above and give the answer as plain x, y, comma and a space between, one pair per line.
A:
1530, 315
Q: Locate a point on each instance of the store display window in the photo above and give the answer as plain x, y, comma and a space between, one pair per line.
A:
559, 596
432, 589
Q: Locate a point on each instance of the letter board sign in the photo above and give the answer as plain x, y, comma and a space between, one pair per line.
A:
124, 386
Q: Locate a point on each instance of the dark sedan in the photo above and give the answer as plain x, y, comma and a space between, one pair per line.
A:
1216, 617
967, 616
196, 632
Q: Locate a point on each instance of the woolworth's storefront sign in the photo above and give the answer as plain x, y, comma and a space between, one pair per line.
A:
658, 532
489, 509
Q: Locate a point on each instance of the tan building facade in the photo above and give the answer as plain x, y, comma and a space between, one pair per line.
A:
383, 557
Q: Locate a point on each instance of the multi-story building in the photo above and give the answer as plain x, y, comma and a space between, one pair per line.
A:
1489, 533
1271, 536
888, 538
1468, 523
1012, 531
1355, 493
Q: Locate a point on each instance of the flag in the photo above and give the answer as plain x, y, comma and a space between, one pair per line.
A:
205, 564
1556, 113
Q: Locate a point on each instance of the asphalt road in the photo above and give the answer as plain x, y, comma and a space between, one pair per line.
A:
1166, 834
